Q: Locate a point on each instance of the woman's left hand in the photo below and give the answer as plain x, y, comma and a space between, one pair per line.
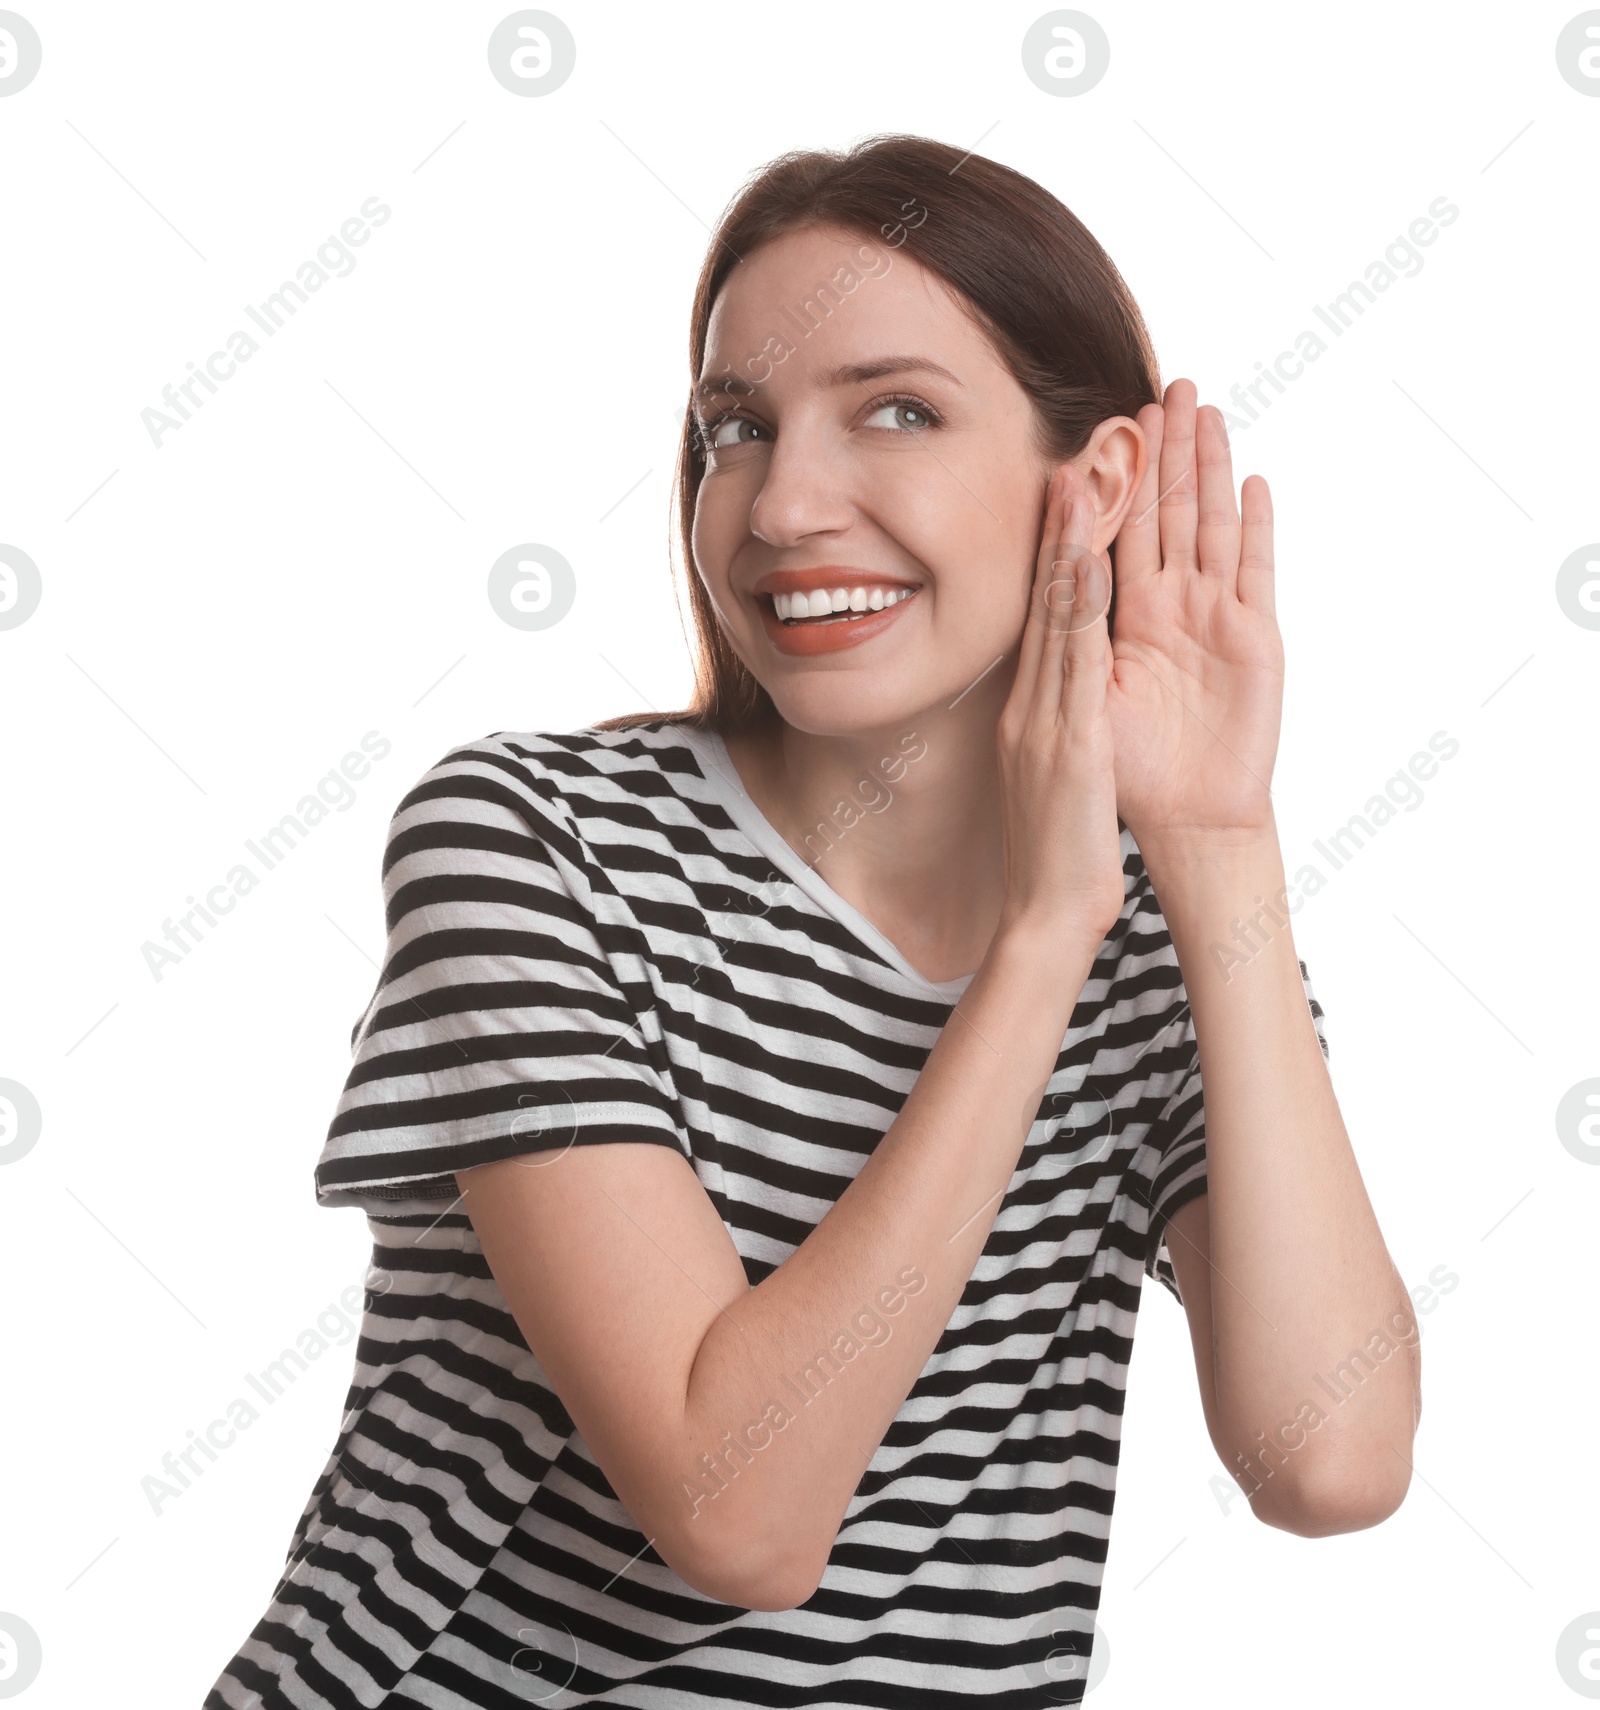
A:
1196, 691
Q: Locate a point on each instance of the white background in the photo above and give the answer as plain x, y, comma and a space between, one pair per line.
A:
306, 560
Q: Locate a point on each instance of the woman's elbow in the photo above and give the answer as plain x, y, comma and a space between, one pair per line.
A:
1324, 1507
773, 1589
748, 1576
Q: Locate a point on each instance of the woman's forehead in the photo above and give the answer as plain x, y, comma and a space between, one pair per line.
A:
827, 299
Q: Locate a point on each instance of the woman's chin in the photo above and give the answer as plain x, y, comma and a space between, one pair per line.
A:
833, 705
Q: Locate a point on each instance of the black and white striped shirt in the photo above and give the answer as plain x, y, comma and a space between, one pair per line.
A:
596, 936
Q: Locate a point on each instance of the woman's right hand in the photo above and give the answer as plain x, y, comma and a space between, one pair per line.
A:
1063, 850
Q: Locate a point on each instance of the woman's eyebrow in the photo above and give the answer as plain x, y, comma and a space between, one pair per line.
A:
729, 385
849, 374
855, 373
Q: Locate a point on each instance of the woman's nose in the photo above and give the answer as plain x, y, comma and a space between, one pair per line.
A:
807, 491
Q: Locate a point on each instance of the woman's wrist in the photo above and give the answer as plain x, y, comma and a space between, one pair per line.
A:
1048, 959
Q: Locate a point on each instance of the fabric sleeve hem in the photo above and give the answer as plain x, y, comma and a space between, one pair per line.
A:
428, 1173
1158, 1258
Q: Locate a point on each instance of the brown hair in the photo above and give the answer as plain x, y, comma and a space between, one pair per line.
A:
1058, 311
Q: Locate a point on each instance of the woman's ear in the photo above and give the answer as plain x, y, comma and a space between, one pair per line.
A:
1112, 465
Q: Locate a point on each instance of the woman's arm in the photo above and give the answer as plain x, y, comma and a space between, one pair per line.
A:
1294, 1277
628, 1288
1305, 1304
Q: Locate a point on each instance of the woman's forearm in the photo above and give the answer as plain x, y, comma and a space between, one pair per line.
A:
781, 1418
1301, 1279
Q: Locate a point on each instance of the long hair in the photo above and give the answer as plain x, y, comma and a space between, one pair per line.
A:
1057, 310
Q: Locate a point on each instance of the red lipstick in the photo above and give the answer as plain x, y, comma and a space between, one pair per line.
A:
835, 631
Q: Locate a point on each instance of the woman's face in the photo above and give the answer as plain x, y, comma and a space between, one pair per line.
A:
887, 449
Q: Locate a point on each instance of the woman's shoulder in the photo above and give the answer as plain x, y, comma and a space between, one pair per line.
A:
561, 761
560, 785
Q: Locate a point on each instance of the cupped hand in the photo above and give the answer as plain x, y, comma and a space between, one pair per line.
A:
1058, 791
1196, 692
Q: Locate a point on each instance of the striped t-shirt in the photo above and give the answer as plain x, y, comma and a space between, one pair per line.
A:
596, 936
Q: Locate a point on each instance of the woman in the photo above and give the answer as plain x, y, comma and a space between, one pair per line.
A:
766, 1113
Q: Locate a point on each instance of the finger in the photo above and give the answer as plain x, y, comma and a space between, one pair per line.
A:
1086, 658
1087, 644
1078, 600
1079, 515
1058, 606
1139, 538
1064, 607
1025, 683
1257, 583
1217, 526
1178, 490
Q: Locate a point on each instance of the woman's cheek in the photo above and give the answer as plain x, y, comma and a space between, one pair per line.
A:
709, 540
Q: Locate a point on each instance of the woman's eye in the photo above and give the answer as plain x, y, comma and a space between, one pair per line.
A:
731, 431
906, 417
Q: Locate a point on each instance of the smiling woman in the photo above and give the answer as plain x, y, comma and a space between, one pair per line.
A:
1049, 345
658, 1089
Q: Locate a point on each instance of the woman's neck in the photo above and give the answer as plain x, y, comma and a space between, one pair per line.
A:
902, 822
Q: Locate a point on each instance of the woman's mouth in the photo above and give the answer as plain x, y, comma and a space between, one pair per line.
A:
835, 605
826, 620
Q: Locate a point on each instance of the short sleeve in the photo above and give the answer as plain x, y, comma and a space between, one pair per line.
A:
513, 1012
1180, 1136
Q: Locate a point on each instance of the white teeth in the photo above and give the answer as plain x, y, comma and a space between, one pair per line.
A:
822, 602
